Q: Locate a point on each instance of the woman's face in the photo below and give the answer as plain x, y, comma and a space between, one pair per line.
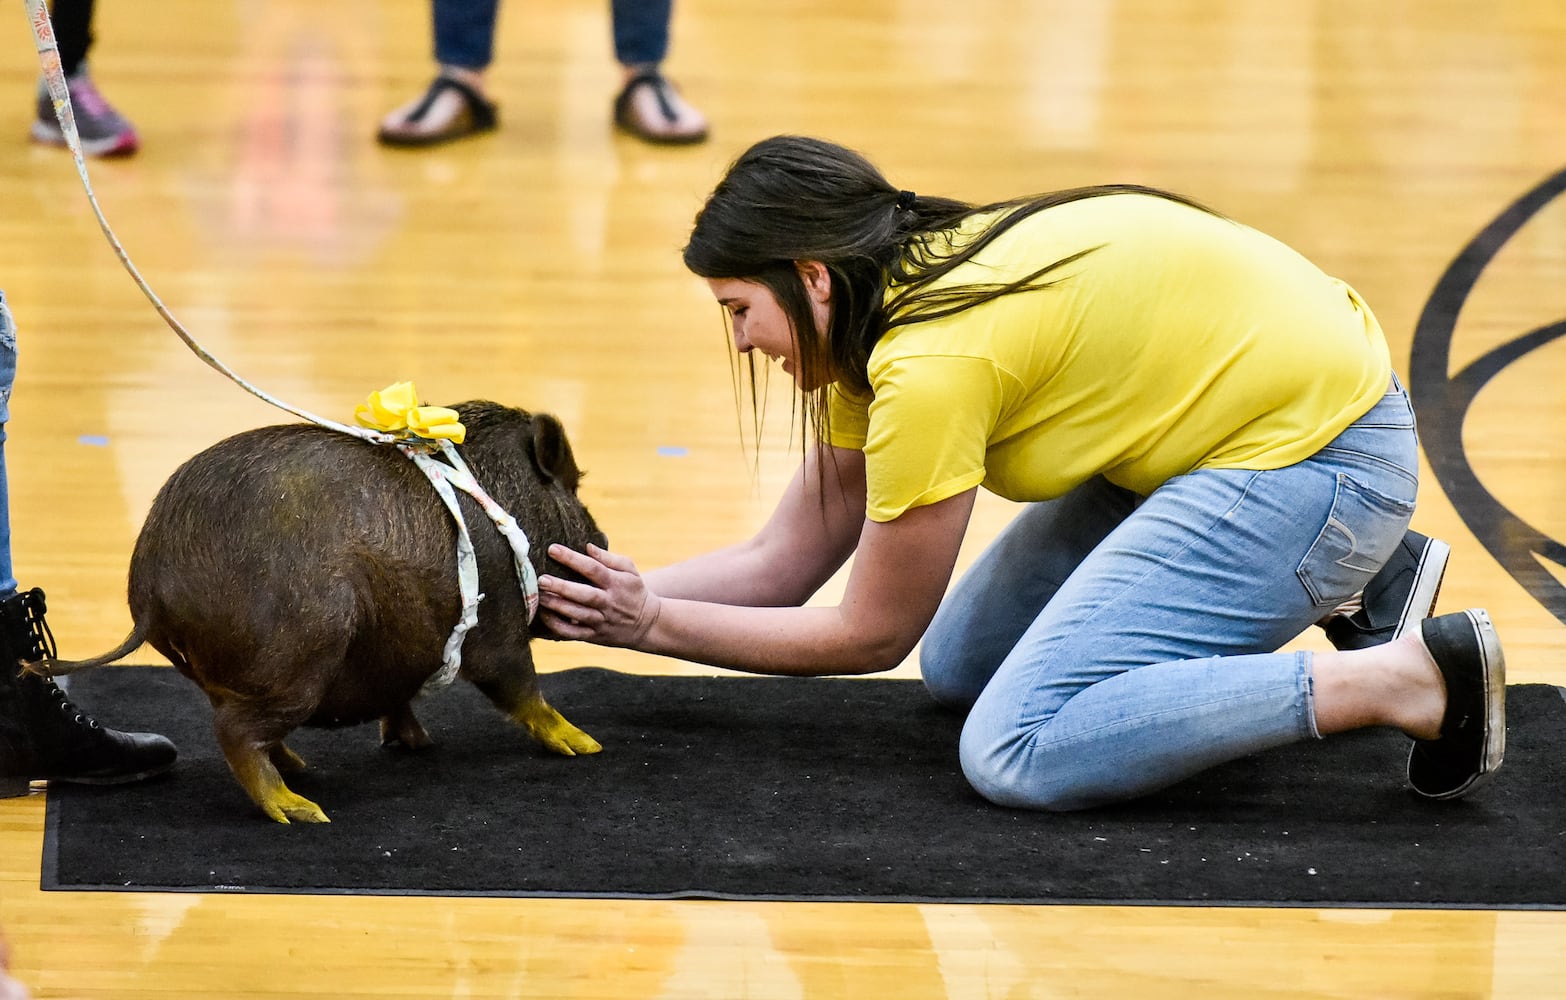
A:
760, 324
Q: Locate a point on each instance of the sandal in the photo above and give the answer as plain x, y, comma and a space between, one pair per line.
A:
650, 108
449, 109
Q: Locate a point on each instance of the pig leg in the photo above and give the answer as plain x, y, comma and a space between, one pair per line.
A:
516, 693
285, 759
402, 726
550, 728
250, 740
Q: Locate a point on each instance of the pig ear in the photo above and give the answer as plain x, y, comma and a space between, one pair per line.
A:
552, 452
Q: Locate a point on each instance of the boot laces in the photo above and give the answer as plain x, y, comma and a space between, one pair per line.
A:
41, 643
78, 717
41, 638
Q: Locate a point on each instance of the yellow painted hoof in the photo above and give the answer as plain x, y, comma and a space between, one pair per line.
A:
550, 728
287, 807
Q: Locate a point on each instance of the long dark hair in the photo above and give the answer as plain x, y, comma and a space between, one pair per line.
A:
792, 198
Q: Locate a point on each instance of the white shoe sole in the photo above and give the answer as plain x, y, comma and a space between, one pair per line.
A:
1427, 586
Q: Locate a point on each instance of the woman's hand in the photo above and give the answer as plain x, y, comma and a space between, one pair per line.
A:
614, 608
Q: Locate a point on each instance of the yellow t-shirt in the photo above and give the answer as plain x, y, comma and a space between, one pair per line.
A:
1185, 341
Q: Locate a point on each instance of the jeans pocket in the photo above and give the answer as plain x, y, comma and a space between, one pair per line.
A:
1362, 530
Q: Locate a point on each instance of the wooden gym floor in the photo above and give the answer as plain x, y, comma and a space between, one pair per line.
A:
540, 266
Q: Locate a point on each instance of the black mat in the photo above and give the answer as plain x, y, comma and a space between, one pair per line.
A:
828, 789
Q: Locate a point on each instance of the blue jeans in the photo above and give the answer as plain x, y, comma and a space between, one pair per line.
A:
465, 31
7, 380
1106, 645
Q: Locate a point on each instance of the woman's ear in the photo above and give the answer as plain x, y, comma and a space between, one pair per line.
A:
817, 280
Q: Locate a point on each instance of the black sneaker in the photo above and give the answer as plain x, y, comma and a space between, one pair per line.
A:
1402, 594
1473, 731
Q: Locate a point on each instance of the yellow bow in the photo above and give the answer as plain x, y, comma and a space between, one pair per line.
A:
396, 410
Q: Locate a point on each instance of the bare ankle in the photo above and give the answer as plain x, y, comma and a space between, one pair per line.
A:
1425, 706
472, 77
1395, 684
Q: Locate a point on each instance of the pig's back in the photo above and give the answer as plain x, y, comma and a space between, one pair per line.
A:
294, 486
300, 532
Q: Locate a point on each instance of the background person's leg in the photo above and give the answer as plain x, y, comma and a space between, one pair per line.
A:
455, 104
42, 735
649, 106
465, 32
101, 129
72, 20
7, 382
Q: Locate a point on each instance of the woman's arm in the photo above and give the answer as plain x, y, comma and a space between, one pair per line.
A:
811, 533
900, 572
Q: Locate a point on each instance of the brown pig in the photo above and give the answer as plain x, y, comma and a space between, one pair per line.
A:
302, 576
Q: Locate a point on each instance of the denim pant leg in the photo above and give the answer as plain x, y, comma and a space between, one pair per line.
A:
1153, 661
641, 30
996, 600
465, 32
7, 380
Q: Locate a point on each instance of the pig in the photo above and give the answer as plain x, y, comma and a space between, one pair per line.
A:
302, 576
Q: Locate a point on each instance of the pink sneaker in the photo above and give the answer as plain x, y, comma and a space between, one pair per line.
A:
103, 131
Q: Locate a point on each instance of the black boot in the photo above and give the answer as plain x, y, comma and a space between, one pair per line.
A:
43, 737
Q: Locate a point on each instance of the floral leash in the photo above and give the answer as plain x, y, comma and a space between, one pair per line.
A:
390, 416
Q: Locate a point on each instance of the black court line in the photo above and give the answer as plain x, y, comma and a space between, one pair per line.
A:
1442, 404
